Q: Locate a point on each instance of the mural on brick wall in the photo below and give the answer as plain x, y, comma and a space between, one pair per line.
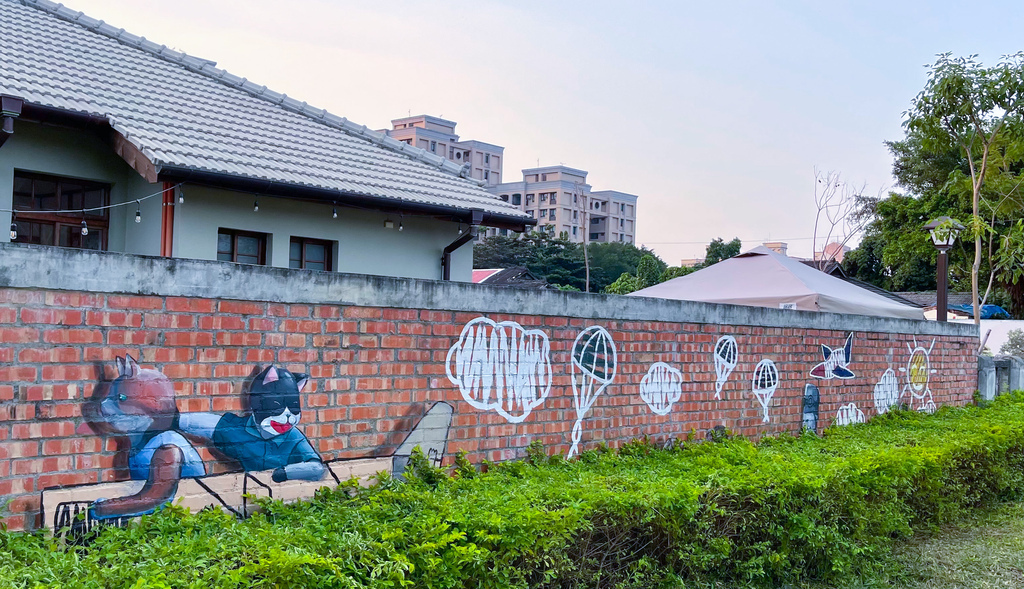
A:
918, 373
276, 458
594, 363
764, 383
849, 414
811, 401
661, 387
835, 362
726, 356
886, 392
501, 367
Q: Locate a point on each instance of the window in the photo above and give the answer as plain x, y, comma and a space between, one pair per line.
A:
575, 199
574, 232
433, 146
407, 141
622, 237
551, 214
554, 197
543, 177
487, 158
451, 153
543, 197
243, 247
595, 221
517, 199
37, 198
622, 223
504, 232
487, 174
574, 215
310, 254
543, 213
593, 236
529, 199
622, 208
530, 213
504, 197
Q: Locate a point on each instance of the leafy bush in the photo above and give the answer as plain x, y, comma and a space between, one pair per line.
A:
785, 510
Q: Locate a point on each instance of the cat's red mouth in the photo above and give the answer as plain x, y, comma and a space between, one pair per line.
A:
280, 427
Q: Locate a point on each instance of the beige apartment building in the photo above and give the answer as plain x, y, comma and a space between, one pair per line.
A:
562, 202
437, 136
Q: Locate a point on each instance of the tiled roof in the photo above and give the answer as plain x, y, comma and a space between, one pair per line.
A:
182, 112
926, 298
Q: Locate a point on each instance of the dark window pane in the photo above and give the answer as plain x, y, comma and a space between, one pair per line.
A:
315, 265
23, 194
224, 245
316, 252
45, 195
295, 254
95, 198
71, 195
248, 246
71, 236
224, 257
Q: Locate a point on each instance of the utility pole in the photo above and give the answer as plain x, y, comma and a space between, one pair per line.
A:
577, 192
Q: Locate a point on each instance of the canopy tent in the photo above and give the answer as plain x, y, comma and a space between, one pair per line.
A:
765, 278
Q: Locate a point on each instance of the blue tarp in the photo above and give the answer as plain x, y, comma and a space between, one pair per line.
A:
987, 311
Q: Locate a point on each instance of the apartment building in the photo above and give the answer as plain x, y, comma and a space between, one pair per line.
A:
561, 201
438, 136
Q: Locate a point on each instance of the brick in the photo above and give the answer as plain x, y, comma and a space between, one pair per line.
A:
187, 305
362, 313
221, 322
37, 355
51, 316
134, 302
73, 299
169, 321
188, 338
18, 335
113, 319
241, 308
68, 336
296, 326
51, 392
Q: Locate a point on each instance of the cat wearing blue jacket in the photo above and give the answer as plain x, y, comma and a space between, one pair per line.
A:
266, 438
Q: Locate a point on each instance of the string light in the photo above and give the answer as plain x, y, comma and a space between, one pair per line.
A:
256, 205
460, 228
85, 228
14, 230
400, 226
100, 208
181, 195
334, 213
138, 211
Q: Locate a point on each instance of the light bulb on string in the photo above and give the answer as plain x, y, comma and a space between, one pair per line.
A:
256, 205
334, 213
138, 211
85, 228
400, 226
181, 195
14, 231
460, 228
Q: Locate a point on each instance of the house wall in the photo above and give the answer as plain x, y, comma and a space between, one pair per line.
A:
385, 355
76, 153
364, 245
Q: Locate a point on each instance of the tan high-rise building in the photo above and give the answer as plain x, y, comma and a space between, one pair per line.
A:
563, 203
437, 136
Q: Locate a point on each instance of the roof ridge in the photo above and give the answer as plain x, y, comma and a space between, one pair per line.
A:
208, 68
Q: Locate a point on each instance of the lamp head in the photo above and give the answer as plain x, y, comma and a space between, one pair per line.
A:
944, 231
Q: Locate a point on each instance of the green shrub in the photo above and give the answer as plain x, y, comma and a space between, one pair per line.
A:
785, 510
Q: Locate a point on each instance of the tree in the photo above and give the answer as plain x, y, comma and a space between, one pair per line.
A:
1014, 345
719, 250
608, 261
974, 109
838, 218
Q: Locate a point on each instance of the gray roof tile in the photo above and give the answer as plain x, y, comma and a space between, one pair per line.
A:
183, 111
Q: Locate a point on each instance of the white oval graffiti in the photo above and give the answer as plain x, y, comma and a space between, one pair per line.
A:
765, 381
661, 387
887, 391
726, 356
501, 367
849, 414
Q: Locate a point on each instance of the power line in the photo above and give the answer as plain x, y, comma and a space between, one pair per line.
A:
706, 241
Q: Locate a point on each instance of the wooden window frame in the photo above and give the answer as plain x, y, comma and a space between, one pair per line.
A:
235, 234
305, 241
96, 220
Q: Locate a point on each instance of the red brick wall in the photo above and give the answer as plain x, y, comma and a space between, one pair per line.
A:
376, 370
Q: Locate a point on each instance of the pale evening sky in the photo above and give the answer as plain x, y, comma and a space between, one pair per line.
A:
714, 113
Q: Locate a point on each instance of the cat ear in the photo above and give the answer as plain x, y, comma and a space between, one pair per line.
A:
121, 368
271, 375
301, 380
133, 366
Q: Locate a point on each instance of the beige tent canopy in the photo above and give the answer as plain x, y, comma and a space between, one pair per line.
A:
764, 278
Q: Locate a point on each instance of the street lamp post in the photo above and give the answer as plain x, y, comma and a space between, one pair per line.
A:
944, 231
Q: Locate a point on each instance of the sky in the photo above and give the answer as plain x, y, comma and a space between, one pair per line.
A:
716, 114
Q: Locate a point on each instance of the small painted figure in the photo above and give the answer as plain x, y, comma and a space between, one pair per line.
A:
811, 401
267, 437
139, 405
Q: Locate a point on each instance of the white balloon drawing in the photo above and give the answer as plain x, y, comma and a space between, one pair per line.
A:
501, 367
887, 391
593, 367
765, 381
849, 414
661, 387
726, 356
919, 371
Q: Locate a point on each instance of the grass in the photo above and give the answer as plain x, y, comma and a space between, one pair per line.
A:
983, 550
